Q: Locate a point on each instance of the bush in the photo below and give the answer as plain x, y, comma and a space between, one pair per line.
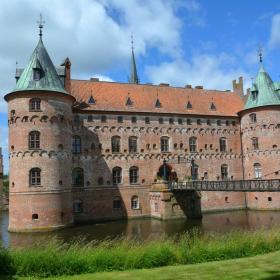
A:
6, 263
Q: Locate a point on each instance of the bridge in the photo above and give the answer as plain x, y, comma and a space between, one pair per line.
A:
229, 185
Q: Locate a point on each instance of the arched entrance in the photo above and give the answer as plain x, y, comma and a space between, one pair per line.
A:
166, 170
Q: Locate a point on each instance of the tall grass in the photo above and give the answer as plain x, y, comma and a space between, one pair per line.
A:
63, 259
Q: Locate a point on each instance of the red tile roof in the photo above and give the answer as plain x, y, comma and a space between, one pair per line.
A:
111, 96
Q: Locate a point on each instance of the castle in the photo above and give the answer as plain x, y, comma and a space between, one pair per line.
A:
89, 150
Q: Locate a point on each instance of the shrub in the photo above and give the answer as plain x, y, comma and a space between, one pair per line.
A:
6, 263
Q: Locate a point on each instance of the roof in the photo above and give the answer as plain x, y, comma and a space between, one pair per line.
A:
109, 96
49, 79
263, 91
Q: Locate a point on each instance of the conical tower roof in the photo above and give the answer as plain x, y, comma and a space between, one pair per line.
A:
46, 78
263, 91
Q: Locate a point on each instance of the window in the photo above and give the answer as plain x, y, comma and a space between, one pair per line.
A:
269, 198
35, 177
100, 181
198, 121
35, 217
194, 172
253, 118
103, 118
158, 104
164, 144
223, 144
189, 121
34, 140
76, 144
132, 144
180, 121
35, 104
171, 121
212, 106
91, 100
134, 119
120, 119
135, 202
77, 206
208, 122
192, 144
160, 120
147, 120
227, 123
258, 170
219, 123
129, 102
37, 74
233, 123
78, 177
133, 175
117, 175
189, 105
255, 143
224, 171
156, 207
254, 94
117, 203
116, 144
90, 118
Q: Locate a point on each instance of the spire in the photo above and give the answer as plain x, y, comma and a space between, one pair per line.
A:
133, 69
263, 91
40, 73
40, 25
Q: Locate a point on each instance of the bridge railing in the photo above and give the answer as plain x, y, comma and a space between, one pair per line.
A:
229, 185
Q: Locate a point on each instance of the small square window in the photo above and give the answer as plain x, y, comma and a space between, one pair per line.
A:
120, 119
189, 121
103, 119
160, 120
90, 118
147, 120
180, 121
171, 121
134, 119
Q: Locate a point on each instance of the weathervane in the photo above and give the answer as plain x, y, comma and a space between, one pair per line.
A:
40, 25
260, 52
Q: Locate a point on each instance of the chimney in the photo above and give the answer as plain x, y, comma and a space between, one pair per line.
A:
164, 85
199, 87
188, 86
238, 86
94, 79
67, 80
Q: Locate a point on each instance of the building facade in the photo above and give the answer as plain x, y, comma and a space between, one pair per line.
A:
85, 151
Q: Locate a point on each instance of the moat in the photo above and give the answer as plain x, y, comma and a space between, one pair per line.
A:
145, 228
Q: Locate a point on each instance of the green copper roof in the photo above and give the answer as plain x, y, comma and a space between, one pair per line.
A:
48, 77
263, 91
133, 79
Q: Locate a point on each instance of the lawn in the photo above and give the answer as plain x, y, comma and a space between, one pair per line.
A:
262, 267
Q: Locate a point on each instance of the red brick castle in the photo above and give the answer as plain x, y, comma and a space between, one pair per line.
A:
88, 150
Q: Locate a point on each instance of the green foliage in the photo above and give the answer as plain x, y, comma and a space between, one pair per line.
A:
6, 184
6, 263
193, 247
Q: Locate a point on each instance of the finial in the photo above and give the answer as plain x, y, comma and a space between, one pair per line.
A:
260, 53
132, 42
41, 25
16, 65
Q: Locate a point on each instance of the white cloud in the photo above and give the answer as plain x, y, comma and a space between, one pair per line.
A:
211, 71
274, 40
94, 34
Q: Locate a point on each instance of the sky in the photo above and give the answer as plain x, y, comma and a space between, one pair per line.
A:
198, 42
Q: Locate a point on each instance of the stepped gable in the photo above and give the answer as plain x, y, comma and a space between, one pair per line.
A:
111, 96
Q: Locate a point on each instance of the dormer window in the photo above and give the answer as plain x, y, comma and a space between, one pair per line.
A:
254, 94
158, 104
36, 74
129, 102
91, 100
189, 105
212, 106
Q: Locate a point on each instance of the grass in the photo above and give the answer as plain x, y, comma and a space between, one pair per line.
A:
57, 259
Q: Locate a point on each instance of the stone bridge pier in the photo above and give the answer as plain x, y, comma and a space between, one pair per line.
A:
166, 204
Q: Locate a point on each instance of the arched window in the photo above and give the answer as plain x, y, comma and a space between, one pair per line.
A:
224, 171
133, 175
132, 144
193, 144
78, 177
135, 202
35, 177
223, 144
77, 206
255, 143
35, 104
116, 144
253, 118
34, 140
76, 144
117, 175
164, 144
257, 170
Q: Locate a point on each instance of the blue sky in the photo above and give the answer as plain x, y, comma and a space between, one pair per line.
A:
198, 42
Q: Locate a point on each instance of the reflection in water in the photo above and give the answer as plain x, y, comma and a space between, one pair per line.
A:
144, 228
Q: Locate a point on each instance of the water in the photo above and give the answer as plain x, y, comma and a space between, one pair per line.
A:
144, 228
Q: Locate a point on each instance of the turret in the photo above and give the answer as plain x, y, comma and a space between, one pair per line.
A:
40, 133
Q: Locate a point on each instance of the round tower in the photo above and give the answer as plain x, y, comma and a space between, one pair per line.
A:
260, 132
40, 139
